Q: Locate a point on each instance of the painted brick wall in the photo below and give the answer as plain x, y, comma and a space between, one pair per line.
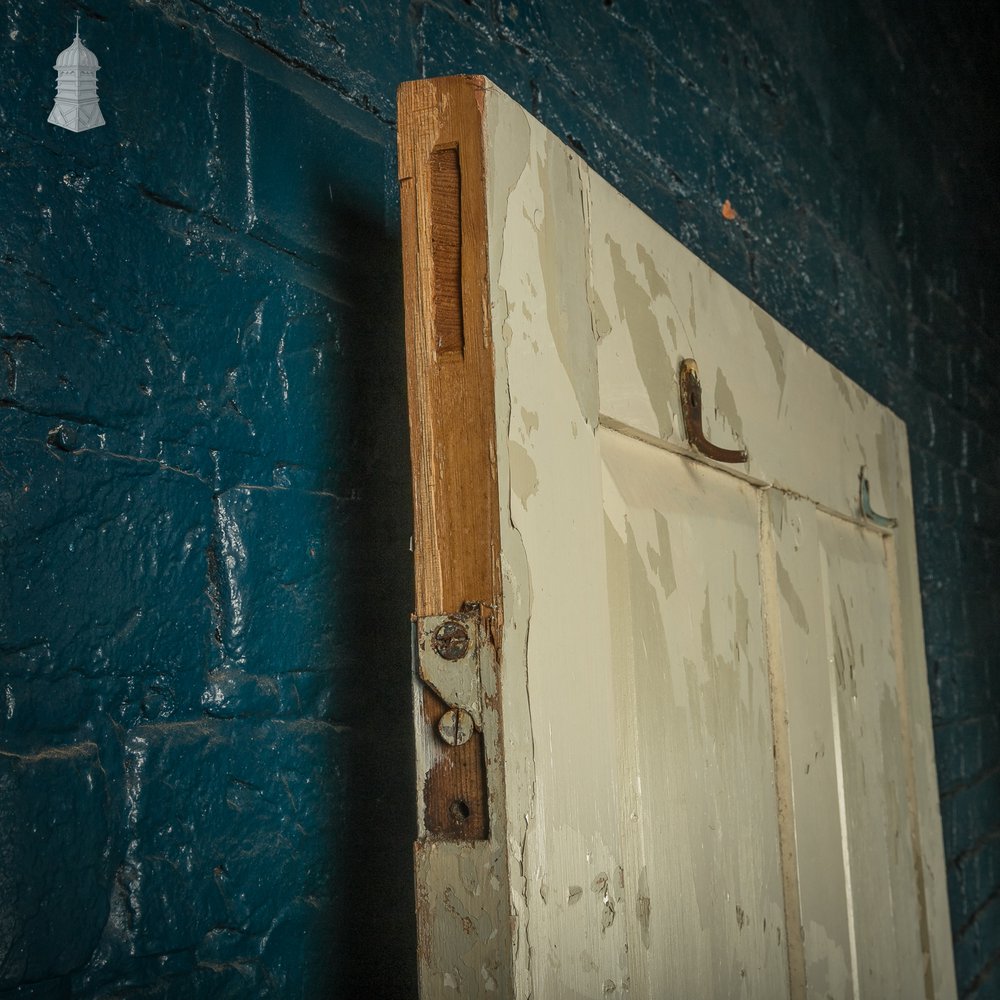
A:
205, 772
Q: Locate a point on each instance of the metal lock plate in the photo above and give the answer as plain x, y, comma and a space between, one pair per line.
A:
448, 660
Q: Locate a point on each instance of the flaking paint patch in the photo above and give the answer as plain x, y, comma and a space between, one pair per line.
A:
656, 284
708, 653
828, 972
772, 344
725, 403
602, 888
511, 133
841, 383
523, 473
600, 320
778, 507
671, 329
563, 239
792, 600
510, 137
661, 559
468, 915
692, 311
885, 449
891, 738
742, 611
529, 419
643, 907
635, 309
845, 657
651, 657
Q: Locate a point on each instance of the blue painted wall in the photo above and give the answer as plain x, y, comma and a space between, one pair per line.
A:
205, 763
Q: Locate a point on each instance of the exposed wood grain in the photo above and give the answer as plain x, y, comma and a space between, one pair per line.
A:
450, 385
446, 246
452, 429
455, 802
460, 859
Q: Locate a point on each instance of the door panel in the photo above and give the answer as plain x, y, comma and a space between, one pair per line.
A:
695, 695
814, 739
691, 676
873, 774
860, 901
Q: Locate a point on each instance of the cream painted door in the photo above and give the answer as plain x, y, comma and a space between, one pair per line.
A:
672, 714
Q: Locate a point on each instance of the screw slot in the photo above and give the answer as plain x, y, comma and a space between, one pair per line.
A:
451, 640
456, 727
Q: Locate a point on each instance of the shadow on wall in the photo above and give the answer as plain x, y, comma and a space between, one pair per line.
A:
369, 942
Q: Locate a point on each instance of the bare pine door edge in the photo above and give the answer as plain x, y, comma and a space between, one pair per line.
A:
450, 381
478, 867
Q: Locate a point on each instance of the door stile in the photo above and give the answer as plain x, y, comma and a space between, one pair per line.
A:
782, 753
460, 861
891, 556
914, 696
838, 758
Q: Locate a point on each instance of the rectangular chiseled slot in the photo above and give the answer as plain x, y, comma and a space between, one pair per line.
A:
446, 244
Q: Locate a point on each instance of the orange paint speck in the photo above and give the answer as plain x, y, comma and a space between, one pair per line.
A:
728, 212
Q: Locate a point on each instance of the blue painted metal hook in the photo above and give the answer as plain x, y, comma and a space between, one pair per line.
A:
866, 506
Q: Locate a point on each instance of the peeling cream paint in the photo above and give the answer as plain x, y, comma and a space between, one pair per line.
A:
792, 600
685, 681
841, 383
656, 284
644, 908
635, 672
529, 421
829, 971
772, 344
725, 403
634, 309
661, 559
523, 474
562, 243
777, 507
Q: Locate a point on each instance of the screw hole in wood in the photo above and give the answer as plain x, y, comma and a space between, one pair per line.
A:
459, 811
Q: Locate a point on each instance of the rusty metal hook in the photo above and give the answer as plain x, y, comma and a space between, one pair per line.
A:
880, 520
691, 408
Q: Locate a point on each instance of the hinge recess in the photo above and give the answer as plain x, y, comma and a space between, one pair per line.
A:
451, 654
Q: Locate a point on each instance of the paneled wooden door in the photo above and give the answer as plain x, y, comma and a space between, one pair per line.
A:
672, 714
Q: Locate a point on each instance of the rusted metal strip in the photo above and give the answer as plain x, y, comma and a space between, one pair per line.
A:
691, 408
450, 653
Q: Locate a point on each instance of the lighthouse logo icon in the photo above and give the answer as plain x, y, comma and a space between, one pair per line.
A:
76, 106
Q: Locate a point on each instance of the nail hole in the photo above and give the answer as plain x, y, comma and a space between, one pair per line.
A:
460, 811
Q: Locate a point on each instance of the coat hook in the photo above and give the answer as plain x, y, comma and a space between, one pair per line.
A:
691, 408
866, 506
